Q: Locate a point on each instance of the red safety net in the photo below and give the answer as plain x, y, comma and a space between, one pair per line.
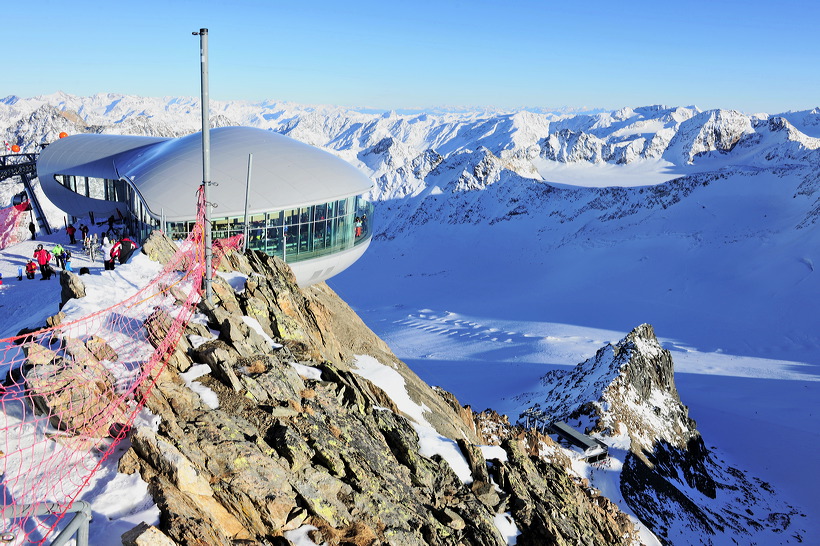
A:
12, 228
73, 391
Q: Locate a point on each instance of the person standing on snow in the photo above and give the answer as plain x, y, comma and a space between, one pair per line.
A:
31, 269
43, 257
59, 255
123, 249
71, 230
107, 251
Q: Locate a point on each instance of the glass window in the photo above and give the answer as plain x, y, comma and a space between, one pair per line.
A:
96, 188
275, 218
320, 212
305, 236
297, 234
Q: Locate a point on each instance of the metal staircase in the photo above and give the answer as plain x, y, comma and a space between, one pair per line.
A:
25, 166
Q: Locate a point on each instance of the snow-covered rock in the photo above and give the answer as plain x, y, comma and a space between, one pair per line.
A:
670, 480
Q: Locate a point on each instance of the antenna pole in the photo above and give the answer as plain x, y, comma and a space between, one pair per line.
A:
247, 192
206, 161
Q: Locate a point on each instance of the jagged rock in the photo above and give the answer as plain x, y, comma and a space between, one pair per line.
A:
485, 492
222, 358
258, 309
77, 350
238, 334
330, 449
628, 388
182, 518
451, 519
37, 354
189, 484
77, 396
476, 461
55, 320
101, 349
146, 535
224, 296
167, 459
159, 247
158, 326
611, 390
71, 286
129, 462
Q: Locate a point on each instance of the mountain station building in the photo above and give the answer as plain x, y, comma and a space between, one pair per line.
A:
304, 205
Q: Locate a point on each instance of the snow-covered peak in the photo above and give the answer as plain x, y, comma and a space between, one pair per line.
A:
713, 130
626, 388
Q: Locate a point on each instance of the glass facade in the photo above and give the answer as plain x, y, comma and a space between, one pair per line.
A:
133, 215
296, 234
97, 188
292, 234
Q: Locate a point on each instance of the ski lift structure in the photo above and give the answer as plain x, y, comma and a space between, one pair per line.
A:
25, 166
21, 199
591, 450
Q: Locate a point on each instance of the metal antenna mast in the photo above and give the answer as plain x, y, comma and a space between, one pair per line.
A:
206, 160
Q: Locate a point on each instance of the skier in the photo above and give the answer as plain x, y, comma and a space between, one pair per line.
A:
31, 269
71, 230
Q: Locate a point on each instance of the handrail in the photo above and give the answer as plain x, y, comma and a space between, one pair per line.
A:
27, 158
78, 525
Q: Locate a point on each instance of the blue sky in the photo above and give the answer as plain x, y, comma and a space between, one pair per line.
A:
752, 56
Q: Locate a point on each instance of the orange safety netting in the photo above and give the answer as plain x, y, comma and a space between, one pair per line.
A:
73, 391
12, 230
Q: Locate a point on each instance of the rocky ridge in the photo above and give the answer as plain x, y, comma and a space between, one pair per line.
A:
626, 395
301, 439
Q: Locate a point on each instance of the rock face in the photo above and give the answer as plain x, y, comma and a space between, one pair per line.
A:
300, 439
71, 286
74, 388
626, 394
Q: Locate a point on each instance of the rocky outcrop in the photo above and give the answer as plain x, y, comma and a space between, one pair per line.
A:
567, 146
301, 439
71, 286
710, 131
74, 389
670, 480
159, 249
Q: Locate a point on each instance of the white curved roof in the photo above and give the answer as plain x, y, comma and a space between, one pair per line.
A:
167, 172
